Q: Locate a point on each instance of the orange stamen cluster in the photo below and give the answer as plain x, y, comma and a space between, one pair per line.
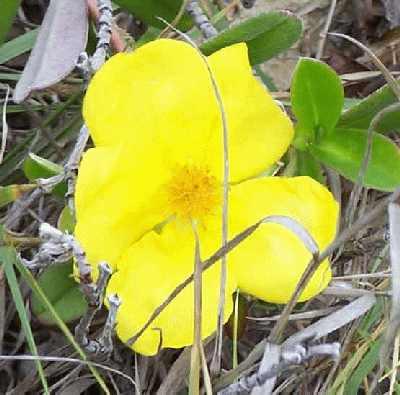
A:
193, 192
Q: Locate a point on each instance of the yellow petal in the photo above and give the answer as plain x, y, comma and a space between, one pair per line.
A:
149, 271
163, 93
116, 199
259, 131
270, 262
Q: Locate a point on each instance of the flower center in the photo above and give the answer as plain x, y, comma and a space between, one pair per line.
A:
193, 192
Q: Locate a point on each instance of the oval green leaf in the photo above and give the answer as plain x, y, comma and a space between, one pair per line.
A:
344, 149
35, 167
266, 35
361, 115
317, 99
149, 10
62, 291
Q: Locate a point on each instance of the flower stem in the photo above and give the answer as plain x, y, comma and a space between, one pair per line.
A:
194, 378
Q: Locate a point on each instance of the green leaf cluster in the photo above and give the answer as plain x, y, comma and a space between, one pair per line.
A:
325, 135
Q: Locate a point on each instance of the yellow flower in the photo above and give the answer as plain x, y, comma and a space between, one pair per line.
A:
158, 164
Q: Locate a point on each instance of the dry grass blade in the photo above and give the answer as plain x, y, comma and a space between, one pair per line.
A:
194, 377
4, 132
395, 361
216, 361
206, 374
272, 352
298, 229
307, 315
324, 33
334, 321
386, 73
233, 243
206, 264
177, 374
356, 192
64, 359
176, 20
394, 322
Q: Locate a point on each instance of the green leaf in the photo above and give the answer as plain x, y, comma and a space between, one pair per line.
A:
66, 221
9, 9
35, 167
17, 46
62, 291
365, 367
361, 115
317, 100
8, 258
307, 165
344, 149
266, 35
149, 10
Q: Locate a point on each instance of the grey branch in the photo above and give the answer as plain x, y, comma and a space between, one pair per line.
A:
105, 340
95, 295
103, 34
71, 167
200, 19
290, 357
59, 247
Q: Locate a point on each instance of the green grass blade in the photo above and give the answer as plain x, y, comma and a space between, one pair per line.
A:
17, 46
9, 258
26, 274
364, 368
10, 77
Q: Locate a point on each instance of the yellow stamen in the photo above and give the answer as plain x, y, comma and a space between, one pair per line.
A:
193, 192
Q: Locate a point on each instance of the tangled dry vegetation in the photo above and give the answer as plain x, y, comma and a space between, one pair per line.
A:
344, 341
